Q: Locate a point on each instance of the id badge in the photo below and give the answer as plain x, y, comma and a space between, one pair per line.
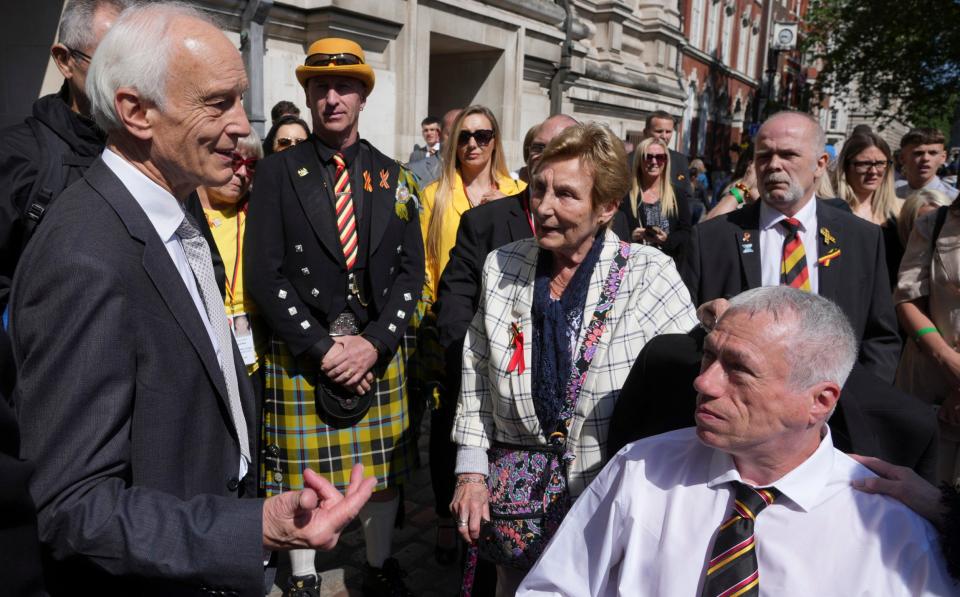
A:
243, 334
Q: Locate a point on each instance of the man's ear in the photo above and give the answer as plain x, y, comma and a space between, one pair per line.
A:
61, 56
824, 399
134, 112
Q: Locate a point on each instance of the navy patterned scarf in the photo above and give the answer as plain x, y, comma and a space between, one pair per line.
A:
552, 333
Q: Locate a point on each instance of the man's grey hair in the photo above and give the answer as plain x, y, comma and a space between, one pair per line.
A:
822, 344
135, 53
76, 21
819, 136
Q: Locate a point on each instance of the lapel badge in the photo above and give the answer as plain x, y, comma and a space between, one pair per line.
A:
302, 172
746, 237
384, 180
367, 185
746, 248
826, 259
827, 237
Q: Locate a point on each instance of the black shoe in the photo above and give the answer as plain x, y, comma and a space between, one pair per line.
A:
386, 581
302, 586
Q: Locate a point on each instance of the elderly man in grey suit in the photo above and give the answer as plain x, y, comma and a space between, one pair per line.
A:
132, 398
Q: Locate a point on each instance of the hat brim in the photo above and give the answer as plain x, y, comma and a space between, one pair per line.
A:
362, 72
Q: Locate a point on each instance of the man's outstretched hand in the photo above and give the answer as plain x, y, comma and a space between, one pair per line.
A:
314, 517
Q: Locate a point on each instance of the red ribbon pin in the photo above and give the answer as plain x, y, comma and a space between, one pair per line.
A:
516, 361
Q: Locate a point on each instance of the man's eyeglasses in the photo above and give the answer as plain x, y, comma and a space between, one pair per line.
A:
537, 148
483, 137
659, 158
239, 162
864, 167
285, 142
333, 59
78, 55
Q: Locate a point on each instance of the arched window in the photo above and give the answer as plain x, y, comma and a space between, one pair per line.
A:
696, 23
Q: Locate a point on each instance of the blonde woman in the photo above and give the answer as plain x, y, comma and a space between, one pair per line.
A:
658, 213
919, 203
864, 179
474, 173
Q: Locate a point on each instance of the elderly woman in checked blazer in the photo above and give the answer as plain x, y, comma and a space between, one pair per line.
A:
562, 318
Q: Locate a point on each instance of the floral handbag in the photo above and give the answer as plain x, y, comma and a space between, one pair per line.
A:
528, 484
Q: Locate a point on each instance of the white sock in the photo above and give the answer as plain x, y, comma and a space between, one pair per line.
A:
377, 519
303, 562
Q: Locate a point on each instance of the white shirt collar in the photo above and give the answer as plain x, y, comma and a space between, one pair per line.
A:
162, 209
803, 485
769, 217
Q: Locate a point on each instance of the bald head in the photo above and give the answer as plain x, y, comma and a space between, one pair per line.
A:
799, 121
789, 160
548, 129
448, 119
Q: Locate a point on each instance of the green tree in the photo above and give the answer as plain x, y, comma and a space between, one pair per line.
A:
901, 56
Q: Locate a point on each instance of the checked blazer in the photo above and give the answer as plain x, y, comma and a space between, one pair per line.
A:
497, 405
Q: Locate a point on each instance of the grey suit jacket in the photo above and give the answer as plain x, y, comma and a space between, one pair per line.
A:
123, 408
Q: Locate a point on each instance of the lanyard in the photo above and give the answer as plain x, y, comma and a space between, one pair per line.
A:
231, 284
528, 213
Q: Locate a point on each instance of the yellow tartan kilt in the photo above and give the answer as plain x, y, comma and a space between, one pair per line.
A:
293, 437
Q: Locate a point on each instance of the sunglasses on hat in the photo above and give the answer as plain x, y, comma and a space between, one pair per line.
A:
238, 161
483, 137
342, 59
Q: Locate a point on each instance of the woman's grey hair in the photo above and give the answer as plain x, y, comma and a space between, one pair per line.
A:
135, 53
823, 346
76, 21
251, 145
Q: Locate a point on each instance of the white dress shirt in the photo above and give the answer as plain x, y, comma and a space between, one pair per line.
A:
165, 213
904, 190
772, 234
646, 526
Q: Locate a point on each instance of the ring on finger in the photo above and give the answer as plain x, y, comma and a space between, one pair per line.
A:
461, 523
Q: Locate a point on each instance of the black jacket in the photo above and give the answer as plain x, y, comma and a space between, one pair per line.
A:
680, 223
20, 162
294, 267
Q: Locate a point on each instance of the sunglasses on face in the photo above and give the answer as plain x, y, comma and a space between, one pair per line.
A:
239, 162
483, 137
333, 60
864, 167
659, 158
288, 141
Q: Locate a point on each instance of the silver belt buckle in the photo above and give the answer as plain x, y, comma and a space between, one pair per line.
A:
345, 324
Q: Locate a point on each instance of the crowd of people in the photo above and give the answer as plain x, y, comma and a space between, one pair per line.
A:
218, 350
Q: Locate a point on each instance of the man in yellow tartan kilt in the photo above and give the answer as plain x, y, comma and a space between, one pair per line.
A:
334, 261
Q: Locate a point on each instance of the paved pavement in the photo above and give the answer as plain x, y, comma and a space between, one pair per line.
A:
341, 568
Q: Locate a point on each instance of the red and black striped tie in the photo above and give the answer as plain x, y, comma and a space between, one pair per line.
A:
346, 219
793, 265
732, 570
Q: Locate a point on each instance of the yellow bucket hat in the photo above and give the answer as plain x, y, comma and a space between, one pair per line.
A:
336, 56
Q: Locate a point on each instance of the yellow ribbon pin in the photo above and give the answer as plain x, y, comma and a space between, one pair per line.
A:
827, 237
302, 172
826, 259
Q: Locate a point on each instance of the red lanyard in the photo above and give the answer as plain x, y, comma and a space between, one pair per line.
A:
529, 214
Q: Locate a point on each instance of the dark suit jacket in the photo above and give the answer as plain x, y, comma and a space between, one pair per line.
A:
720, 264
680, 224
878, 419
294, 267
124, 410
19, 547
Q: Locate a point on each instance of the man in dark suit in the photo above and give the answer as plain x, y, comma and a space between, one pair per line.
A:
132, 397
334, 261
790, 237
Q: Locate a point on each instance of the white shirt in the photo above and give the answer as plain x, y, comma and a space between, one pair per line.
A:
772, 234
904, 190
646, 526
165, 213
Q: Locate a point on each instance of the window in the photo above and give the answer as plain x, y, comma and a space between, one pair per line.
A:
834, 117
743, 46
753, 51
712, 24
696, 24
728, 20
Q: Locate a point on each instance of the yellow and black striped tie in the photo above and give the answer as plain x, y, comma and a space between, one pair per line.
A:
793, 265
732, 570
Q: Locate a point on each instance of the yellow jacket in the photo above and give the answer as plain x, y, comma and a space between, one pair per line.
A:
451, 222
